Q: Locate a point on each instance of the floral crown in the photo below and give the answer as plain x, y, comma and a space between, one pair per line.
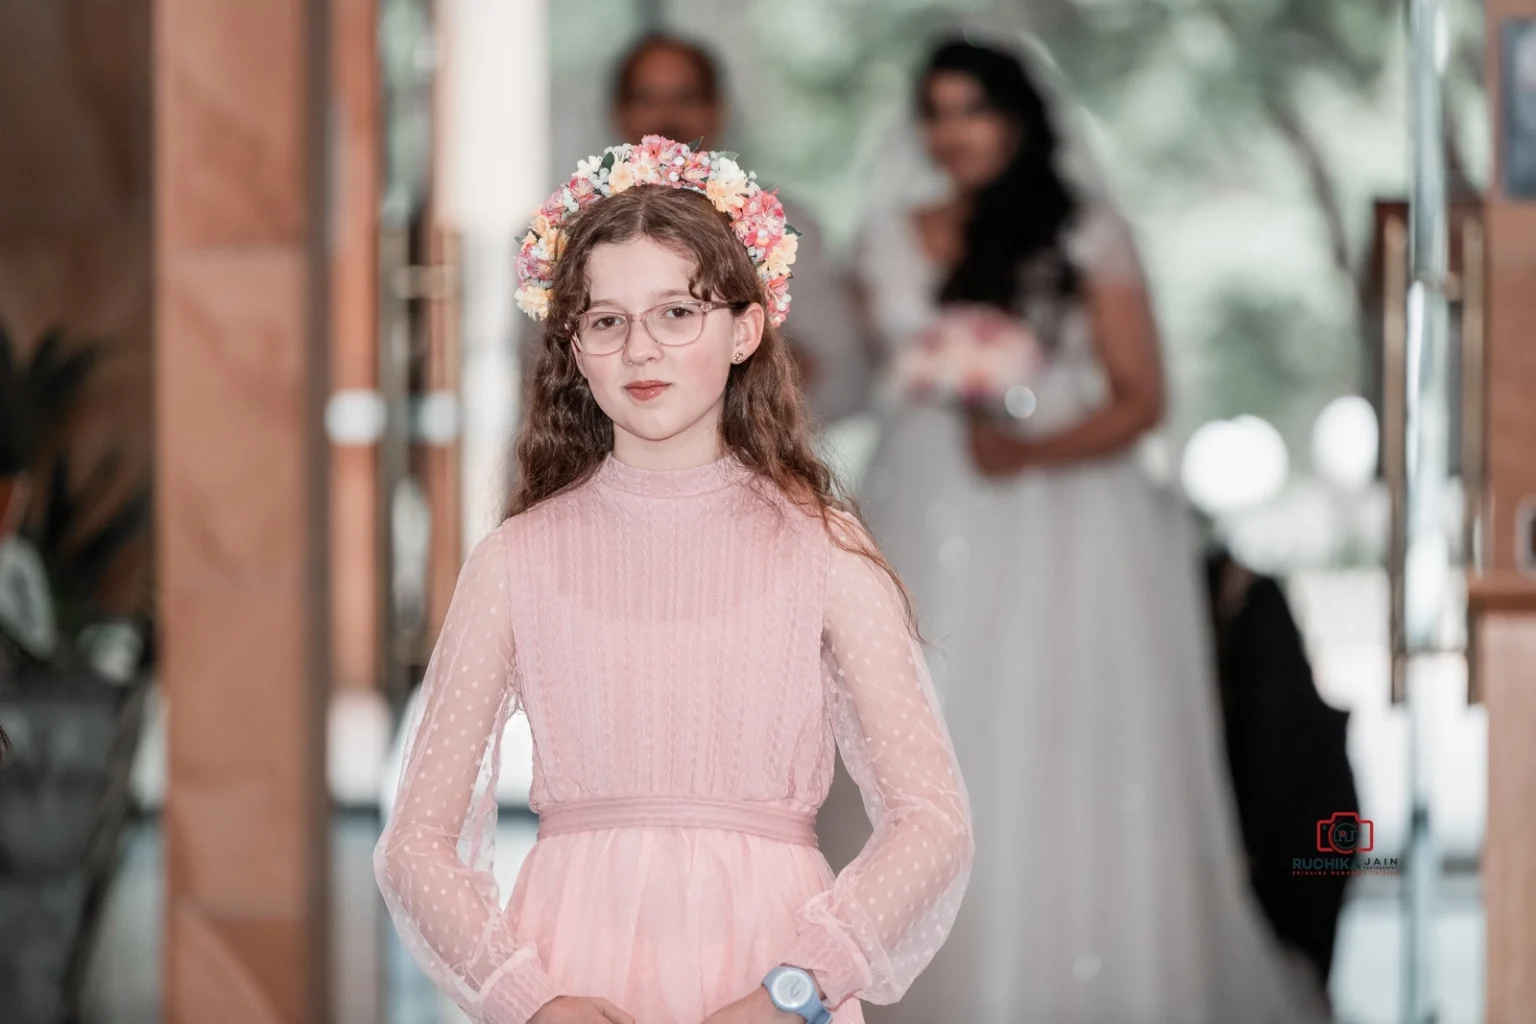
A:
757, 216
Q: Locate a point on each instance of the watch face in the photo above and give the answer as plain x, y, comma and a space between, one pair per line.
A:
792, 989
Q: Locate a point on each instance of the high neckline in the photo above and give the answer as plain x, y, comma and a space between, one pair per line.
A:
672, 483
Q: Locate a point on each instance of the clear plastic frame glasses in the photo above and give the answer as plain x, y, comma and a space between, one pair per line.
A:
673, 323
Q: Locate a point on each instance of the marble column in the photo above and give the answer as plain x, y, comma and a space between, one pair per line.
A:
240, 373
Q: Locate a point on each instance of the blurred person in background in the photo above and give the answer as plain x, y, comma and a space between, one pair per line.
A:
1288, 753
673, 87
1062, 591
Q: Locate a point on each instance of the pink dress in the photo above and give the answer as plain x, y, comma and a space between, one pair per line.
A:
687, 647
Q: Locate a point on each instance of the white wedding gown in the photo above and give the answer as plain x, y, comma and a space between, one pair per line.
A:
1071, 656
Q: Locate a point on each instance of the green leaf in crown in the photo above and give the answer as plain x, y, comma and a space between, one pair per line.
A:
608, 162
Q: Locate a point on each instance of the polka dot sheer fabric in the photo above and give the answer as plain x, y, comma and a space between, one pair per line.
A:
690, 651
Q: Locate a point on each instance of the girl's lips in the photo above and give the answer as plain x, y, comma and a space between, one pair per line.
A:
645, 390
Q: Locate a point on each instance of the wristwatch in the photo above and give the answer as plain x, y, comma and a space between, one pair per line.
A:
794, 990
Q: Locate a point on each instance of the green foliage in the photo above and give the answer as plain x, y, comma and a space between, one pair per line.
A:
77, 529
37, 395
79, 544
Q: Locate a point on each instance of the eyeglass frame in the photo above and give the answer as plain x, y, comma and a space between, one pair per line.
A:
706, 307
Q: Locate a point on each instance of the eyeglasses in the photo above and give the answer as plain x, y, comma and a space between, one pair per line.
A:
679, 322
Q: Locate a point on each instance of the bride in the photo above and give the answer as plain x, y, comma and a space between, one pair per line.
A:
1059, 587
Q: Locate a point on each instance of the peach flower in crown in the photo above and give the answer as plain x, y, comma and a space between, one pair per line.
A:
756, 215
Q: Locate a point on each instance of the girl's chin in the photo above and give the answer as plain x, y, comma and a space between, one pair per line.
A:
654, 428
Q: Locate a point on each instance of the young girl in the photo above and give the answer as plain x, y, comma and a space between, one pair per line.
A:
689, 617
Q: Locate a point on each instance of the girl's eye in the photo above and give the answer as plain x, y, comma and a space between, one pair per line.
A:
605, 322
678, 312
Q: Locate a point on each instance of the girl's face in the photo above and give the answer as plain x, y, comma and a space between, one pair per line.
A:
665, 400
966, 137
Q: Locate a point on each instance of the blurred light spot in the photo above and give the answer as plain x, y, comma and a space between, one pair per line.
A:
355, 416
954, 553
1087, 966
1020, 402
1426, 583
1234, 464
437, 418
1345, 441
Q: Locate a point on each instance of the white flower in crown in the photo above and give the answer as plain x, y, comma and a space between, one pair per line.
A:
727, 186
622, 177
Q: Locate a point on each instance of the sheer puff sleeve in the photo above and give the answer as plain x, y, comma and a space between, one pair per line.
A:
886, 915
433, 862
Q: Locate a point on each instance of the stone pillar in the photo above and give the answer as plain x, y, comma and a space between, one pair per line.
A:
240, 374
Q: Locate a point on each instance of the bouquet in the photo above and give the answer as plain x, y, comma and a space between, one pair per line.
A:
976, 357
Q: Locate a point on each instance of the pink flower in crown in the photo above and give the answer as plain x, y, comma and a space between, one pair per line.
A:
553, 209
667, 156
696, 170
759, 232
532, 266
582, 188
778, 299
653, 150
759, 221
762, 205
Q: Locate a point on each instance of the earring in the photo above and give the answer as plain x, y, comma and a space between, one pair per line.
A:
736, 358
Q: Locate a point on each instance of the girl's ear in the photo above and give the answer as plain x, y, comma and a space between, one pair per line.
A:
747, 332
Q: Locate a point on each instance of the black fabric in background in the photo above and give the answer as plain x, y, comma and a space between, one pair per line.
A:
1288, 758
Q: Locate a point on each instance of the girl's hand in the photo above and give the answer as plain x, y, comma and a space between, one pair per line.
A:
756, 1008
580, 1010
995, 451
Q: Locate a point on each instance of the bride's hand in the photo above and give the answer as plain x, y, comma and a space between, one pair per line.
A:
756, 1008
580, 1010
995, 451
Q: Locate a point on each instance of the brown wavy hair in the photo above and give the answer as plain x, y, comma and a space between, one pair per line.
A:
765, 424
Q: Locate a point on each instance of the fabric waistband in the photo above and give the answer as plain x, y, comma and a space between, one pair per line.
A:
752, 817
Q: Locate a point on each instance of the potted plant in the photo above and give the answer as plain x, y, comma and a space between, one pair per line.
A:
73, 683
36, 398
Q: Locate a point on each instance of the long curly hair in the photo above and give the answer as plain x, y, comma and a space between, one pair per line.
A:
765, 424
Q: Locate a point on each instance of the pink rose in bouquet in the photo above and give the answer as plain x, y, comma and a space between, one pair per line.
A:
976, 356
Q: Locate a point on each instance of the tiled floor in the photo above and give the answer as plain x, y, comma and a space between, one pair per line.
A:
377, 984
